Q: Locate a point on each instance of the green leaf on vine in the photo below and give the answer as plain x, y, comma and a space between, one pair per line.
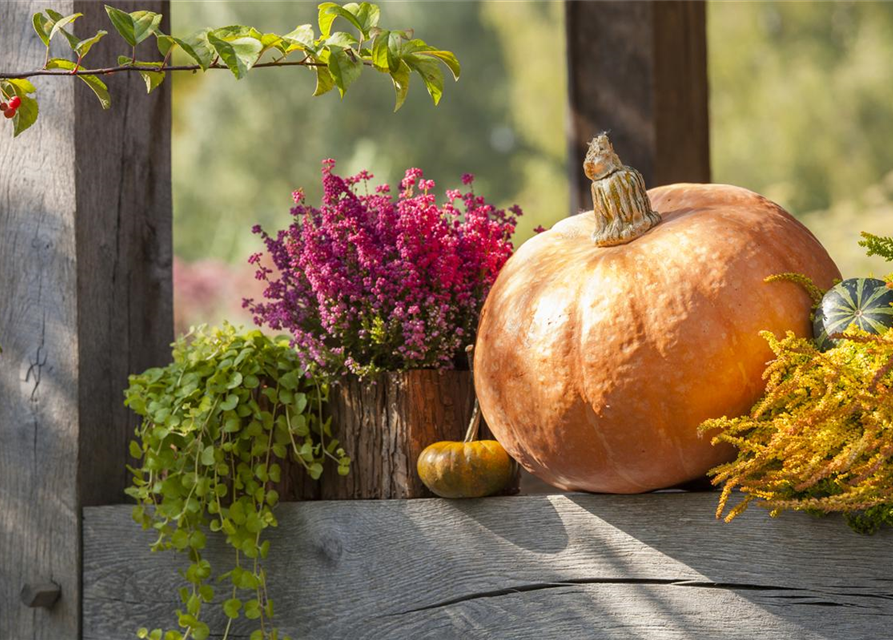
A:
61, 22
231, 607
344, 69
83, 47
96, 85
123, 24
41, 26
395, 49
337, 58
420, 47
301, 39
447, 58
270, 40
20, 86
367, 14
238, 54
400, 78
153, 79
164, 43
201, 631
252, 609
145, 23
380, 50
207, 457
430, 72
134, 27
364, 16
324, 81
328, 11
341, 39
58, 22
198, 47
237, 31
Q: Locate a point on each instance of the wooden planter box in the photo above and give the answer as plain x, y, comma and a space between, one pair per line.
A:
385, 426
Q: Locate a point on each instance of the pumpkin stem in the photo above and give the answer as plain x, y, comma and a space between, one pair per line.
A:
475, 424
619, 199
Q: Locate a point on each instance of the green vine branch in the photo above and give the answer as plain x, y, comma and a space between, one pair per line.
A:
337, 57
106, 71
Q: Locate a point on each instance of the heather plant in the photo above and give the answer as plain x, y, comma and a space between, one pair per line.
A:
821, 438
368, 282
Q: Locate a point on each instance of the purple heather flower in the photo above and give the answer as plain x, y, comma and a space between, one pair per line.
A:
367, 283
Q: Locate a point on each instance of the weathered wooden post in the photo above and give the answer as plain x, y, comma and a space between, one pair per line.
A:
85, 298
639, 70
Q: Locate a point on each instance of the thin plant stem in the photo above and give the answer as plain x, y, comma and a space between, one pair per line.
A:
130, 68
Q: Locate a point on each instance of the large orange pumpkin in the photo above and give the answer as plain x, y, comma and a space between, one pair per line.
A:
608, 339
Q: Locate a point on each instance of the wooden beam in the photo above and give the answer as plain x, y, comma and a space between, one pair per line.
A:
124, 249
638, 70
573, 566
85, 276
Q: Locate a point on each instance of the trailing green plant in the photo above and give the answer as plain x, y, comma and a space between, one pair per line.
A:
336, 57
219, 423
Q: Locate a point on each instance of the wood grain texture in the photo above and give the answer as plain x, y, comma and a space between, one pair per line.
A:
655, 566
124, 249
639, 71
385, 426
86, 299
39, 539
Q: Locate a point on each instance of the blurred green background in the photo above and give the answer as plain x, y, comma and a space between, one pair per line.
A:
801, 111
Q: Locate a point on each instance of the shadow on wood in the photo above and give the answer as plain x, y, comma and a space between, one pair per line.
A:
651, 566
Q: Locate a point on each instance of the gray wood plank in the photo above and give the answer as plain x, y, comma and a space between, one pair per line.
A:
638, 70
655, 566
85, 299
38, 368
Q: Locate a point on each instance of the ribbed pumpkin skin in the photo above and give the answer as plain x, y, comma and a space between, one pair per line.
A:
595, 366
864, 302
465, 469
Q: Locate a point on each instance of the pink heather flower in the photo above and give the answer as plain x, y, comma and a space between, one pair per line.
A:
539, 229
467, 178
366, 283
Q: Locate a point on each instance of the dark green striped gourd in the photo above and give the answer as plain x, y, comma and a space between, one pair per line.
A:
864, 302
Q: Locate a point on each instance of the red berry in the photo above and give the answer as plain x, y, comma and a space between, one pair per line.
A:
15, 102
9, 113
3, 106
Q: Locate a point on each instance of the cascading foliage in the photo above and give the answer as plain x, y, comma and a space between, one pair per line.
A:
219, 424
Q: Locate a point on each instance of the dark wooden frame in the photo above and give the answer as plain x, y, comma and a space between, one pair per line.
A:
639, 71
85, 267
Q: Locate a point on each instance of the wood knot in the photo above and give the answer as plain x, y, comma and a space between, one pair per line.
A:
41, 595
331, 548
